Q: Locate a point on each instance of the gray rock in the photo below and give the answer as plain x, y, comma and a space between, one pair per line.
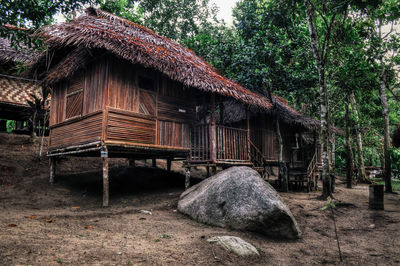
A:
238, 198
235, 245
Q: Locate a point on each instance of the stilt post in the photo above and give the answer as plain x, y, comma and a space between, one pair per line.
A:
154, 162
169, 165
208, 171
131, 162
104, 157
214, 170
187, 177
213, 131
52, 163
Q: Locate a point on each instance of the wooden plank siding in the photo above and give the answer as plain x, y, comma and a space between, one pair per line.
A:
82, 130
138, 106
130, 126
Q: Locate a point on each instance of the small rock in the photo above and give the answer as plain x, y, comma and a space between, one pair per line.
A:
119, 253
146, 212
235, 245
372, 226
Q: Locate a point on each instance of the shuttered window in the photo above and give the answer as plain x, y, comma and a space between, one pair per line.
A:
74, 97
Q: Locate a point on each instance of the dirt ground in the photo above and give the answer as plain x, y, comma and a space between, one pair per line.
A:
64, 223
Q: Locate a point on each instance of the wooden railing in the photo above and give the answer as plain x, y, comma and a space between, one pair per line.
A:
256, 156
200, 143
311, 167
231, 144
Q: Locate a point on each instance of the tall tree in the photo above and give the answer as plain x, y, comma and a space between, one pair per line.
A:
384, 44
320, 44
175, 19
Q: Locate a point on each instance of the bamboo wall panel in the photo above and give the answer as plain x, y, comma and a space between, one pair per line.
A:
174, 134
129, 126
147, 103
76, 83
57, 104
266, 141
74, 105
170, 108
289, 139
94, 86
122, 89
74, 132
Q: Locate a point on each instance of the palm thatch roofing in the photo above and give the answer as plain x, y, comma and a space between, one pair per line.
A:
10, 54
396, 137
97, 29
102, 31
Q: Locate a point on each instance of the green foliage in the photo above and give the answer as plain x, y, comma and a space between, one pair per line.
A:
330, 204
32, 14
10, 125
174, 19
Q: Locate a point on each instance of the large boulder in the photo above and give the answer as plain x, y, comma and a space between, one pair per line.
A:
239, 198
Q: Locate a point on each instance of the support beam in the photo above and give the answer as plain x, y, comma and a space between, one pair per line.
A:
208, 171
154, 163
283, 171
169, 165
53, 165
248, 132
105, 159
214, 170
213, 139
187, 177
132, 162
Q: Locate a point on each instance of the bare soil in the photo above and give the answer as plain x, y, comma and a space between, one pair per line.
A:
64, 223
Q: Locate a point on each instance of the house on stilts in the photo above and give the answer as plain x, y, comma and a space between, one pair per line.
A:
121, 90
15, 89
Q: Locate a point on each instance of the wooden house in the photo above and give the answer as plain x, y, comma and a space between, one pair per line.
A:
15, 89
121, 90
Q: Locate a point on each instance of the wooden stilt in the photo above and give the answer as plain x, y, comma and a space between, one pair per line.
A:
214, 170
154, 162
131, 162
52, 170
187, 177
169, 165
104, 157
208, 171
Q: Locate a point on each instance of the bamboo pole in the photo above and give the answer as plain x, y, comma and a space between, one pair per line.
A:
52, 169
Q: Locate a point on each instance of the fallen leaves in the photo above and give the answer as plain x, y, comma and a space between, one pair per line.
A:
31, 217
48, 220
89, 227
75, 207
12, 225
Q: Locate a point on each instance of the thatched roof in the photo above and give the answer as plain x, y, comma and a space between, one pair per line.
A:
14, 55
97, 29
396, 137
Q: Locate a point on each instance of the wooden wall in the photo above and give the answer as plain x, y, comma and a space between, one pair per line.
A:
263, 135
129, 126
86, 129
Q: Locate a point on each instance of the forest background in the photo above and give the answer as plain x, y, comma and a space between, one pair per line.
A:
336, 61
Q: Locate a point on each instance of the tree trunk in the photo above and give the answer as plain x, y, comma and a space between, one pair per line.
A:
323, 99
361, 166
386, 141
283, 175
33, 133
349, 152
